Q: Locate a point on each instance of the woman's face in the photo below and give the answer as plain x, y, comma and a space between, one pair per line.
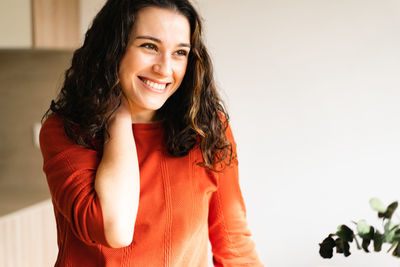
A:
155, 60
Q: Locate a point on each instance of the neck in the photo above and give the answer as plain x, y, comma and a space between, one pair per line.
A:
143, 116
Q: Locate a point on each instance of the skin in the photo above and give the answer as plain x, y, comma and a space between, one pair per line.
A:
157, 51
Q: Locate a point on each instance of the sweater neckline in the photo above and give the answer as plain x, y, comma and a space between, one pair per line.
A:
147, 126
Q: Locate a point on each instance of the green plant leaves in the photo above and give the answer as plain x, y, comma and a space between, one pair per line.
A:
396, 236
383, 212
396, 251
365, 244
345, 233
326, 247
377, 205
342, 247
378, 241
389, 211
367, 233
390, 232
363, 228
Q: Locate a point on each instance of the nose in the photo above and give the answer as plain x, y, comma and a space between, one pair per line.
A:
163, 65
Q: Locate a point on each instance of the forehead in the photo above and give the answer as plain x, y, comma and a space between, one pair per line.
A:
162, 23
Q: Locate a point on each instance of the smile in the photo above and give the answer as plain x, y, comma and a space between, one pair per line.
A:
158, 87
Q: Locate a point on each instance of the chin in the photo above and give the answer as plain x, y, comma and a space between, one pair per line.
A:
154, 106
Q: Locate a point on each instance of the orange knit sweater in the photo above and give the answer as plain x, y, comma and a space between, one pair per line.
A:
181, 206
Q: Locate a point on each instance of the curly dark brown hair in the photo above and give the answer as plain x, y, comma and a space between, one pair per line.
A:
193, 115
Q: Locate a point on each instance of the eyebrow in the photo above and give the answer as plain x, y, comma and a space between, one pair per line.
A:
158, 40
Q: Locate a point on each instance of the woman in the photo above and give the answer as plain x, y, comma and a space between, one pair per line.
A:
138, 153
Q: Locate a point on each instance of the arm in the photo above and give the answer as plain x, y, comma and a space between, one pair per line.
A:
117, 181
228, 232
75, 174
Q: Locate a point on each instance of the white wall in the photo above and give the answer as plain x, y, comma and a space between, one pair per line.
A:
313, 88
15, 24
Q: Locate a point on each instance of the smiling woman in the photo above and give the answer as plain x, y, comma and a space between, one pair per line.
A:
138, 153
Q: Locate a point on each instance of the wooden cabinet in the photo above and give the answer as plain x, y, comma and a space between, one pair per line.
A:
55, 24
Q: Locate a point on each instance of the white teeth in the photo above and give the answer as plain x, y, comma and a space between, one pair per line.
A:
158, 86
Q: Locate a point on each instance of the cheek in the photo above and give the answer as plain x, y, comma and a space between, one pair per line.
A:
134, 62
180, 71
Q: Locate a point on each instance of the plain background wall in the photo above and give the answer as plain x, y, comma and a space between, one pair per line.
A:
16, 24
313, 88
29, 79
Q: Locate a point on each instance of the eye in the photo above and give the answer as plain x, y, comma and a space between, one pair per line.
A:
181, 53
149, 46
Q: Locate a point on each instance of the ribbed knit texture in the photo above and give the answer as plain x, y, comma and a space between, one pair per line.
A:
181, 206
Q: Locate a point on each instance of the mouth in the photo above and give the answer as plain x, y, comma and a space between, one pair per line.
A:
157, 87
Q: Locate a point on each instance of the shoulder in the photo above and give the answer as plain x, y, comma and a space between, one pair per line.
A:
57, 148
224, 118
52, 136
230, 140
52, 122
52, 127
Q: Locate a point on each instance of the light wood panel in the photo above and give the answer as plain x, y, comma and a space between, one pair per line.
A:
55, 24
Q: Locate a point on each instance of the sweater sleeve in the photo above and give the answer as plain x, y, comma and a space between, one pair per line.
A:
228, 231
70, 171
